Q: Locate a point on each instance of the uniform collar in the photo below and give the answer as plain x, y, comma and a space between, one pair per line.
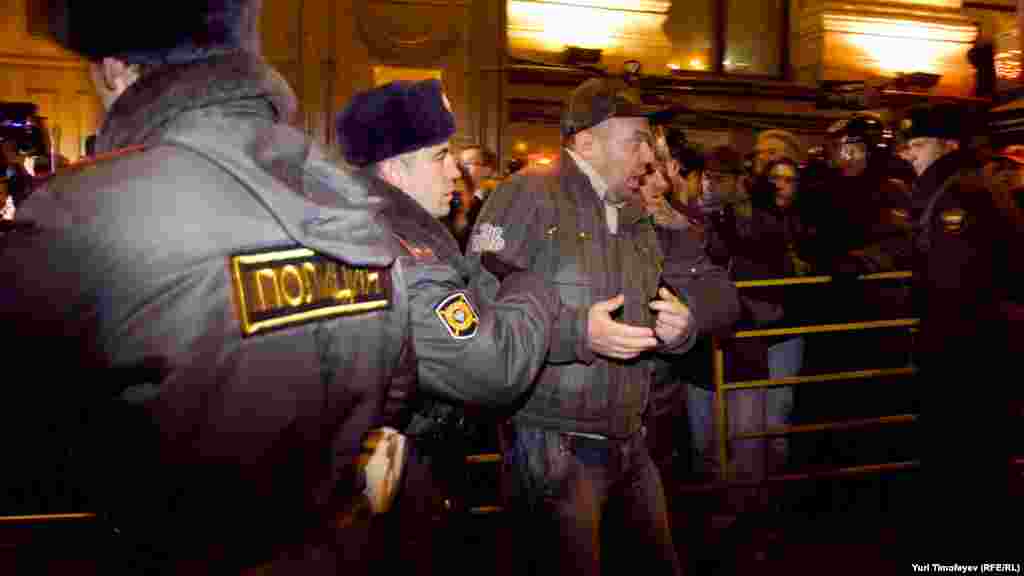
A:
413, 223
235, 82
932, 179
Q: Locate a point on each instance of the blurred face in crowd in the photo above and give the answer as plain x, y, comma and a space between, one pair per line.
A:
428, 175
768, 150
923, 152
619, 149
784, 178
852, 157
654, 188
716, 186
472, 161
903, 151
1006, 181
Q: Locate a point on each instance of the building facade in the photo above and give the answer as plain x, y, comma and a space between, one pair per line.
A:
738, 66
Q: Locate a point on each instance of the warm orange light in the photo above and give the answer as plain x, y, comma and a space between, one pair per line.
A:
520, 146
899, 46
674, 66
1008, 64
697, 64
541, 158
604, 24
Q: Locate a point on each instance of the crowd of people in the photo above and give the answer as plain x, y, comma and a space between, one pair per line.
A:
928, 196
261, 359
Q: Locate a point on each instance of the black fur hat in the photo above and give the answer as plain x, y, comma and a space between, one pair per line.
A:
945, 120
137, 33
393, 119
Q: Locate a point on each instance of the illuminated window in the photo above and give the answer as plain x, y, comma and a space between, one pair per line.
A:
753, 37
717, 36
690, 27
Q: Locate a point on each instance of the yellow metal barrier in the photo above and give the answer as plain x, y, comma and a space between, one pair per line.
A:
45, 518
721, 421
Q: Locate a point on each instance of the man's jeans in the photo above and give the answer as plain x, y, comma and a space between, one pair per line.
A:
591, 504
748, 411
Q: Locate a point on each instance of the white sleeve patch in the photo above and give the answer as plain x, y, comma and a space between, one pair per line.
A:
488, 239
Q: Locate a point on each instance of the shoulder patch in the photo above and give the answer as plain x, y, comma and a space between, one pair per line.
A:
954, 220
458, 316
286, 287
489, 238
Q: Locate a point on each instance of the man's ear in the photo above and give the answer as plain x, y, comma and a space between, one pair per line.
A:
672, 167
391, 172
583, 143
117, 75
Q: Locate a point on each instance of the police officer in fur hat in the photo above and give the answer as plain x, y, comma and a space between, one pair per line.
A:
398, 134
215, 312
959, 244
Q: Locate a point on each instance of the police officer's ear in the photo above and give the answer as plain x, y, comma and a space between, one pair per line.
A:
388, 172
394, 171
112, 77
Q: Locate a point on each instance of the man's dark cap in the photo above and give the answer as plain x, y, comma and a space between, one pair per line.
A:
393, 119
599, 99
135, 31
947, 120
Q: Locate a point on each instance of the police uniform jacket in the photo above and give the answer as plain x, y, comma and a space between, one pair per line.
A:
551, 221
965, 381
480, 349
233, 287
960, 261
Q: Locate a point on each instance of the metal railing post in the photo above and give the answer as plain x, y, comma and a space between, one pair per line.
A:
721, 413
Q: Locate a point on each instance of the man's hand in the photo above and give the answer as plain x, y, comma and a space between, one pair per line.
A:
382, 460
674, 319
615, 339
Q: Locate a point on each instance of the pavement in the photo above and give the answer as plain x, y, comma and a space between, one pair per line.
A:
861, 525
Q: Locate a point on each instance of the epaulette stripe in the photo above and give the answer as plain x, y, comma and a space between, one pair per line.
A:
107, 156
404, 244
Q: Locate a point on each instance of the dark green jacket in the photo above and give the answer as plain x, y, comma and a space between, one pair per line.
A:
552, 222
